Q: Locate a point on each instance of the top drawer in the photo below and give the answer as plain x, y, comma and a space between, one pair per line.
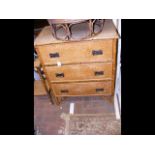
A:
76, 52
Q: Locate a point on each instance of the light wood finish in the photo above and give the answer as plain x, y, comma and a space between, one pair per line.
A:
77, 64
80, 72
82, 89
39, 88
45, 37
77, 52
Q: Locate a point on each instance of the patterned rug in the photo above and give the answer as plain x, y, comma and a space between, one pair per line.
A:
91, 124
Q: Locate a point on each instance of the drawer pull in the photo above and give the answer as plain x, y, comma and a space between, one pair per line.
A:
99, 90
99, 73
54, 55
59, 75
64, 91
97, 52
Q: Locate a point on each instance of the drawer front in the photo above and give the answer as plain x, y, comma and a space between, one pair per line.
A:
76, 52
83, 89
79, 72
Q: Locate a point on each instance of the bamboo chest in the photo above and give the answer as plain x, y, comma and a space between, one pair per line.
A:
79, 68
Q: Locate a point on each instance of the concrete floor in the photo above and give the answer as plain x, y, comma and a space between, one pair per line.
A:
47, 117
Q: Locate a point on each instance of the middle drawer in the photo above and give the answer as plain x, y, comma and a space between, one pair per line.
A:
79, 72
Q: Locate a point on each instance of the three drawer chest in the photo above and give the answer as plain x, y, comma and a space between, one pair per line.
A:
79, 68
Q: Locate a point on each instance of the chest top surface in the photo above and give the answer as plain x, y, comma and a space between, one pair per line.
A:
46, 37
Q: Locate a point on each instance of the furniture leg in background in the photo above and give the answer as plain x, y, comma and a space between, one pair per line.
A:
37, 66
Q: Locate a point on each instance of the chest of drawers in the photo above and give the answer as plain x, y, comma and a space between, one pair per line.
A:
79, 68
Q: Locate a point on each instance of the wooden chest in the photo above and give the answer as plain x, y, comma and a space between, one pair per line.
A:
79, 68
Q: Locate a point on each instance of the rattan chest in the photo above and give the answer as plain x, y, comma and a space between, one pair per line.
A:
79, 68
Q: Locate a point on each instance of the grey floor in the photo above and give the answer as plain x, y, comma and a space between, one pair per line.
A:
47, 117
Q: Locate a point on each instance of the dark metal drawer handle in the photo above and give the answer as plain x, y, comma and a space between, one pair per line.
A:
99, 73
99, 90
59, 75
64, 91
54, 55
97, 52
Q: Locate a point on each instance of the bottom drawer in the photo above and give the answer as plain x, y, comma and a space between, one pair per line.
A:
83, 89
